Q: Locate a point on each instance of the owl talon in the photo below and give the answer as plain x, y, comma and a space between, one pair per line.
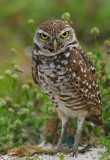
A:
63, 148
75, 150
60, 147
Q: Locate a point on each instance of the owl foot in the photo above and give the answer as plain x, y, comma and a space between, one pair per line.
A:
63, 148
58, 147
66, 144
75, 149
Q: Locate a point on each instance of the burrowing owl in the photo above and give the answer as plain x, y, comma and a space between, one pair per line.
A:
67, 75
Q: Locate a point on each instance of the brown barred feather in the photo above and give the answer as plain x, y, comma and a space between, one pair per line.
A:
85, 79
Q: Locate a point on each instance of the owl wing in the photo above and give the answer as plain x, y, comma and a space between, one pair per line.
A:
34, 69
82, 72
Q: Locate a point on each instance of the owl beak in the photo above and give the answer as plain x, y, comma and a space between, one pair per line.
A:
55, 44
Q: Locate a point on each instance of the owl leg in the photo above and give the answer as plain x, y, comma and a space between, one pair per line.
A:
64, 121
63, 133
80, 122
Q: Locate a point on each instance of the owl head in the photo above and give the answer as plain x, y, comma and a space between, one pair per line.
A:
53, 37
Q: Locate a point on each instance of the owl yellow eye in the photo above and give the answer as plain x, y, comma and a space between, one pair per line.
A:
65, 34
43, 36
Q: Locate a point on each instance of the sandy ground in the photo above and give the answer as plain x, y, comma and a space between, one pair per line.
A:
93, 154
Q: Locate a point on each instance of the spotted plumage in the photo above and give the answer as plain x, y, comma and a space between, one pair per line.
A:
67, 75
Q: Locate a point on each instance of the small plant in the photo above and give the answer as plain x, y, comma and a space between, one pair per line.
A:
36, 157
106, 153
95, 32
61, 156
66, 17
31, 24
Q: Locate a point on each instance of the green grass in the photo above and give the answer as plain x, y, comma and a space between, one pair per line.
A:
23, 109
106, 143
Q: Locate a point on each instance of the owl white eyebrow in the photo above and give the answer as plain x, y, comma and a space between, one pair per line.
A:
66, 30
41, 31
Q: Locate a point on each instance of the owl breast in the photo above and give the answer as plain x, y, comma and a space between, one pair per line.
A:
56, 83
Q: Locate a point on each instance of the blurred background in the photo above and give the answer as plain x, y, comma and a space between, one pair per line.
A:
24, 108
15, 31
